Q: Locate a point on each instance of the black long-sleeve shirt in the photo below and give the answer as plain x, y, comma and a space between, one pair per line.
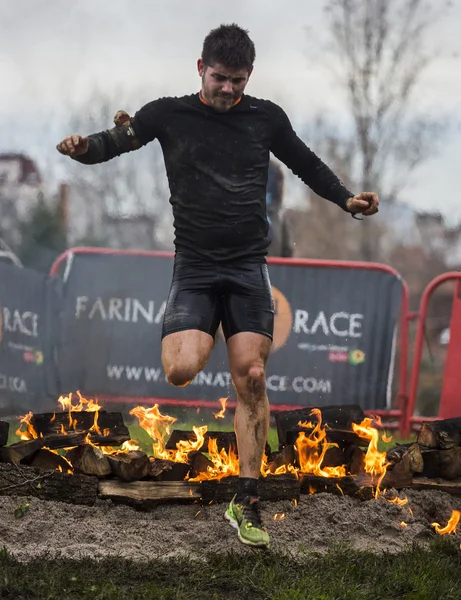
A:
217, 168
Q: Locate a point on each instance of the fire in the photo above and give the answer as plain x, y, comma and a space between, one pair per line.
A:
224, 464
403, 524
83, 405
386, 439
29, 433
450, 526
398, 501
222, 412
375, 461
158, 426
310, 456
279, 517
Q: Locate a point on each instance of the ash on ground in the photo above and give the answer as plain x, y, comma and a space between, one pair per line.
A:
315, 524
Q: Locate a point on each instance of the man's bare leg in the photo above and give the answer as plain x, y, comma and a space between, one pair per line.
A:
248, 353
184, 354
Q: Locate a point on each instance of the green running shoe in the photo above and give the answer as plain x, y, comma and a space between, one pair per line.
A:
246, 518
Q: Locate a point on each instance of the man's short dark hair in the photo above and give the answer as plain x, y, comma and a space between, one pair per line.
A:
229, 45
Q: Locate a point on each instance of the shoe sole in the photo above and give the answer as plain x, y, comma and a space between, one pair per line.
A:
233, 523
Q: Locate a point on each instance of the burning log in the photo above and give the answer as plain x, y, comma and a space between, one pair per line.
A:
340, 486
89, 460
18, 452
342, 437
271, 488
442, 434
284, 458
145, 494
226, 440
4, 430
16, 480
129, 466
442, 463
199, 464
405, 461
355, 459
48, 461
168, 470
105, 428
336, 417
55, 441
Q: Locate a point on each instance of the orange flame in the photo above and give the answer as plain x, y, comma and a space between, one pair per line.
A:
403, 524
279, 517
83, 405
309, 457
158, 426
450, 527
222, 412
29, 433
375, 461
398, 501
386, 439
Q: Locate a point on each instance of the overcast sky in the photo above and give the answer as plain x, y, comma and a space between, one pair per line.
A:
55, 53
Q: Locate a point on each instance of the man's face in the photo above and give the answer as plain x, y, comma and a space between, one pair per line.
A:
221, 85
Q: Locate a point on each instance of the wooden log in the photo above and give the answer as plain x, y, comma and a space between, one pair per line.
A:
167, 470
336, 417
48, 461
400, 474
15, 453
409, 454
4, 430
54, 423
129, 466
335, 436
443, 434
426, 483
442, 463
21, 480
271, 488
355, 459
339, 486
147, 494
55, 441
226, 440
89, 460
199, 464
284, 458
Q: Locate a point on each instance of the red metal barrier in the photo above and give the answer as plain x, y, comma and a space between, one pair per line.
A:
450, 404
398, 415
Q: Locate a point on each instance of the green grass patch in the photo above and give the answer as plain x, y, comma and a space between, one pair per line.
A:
340, 574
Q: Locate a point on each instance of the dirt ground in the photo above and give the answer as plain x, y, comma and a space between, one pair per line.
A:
315, 523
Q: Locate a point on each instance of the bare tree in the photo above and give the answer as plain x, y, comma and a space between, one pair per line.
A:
125, 199
379, 59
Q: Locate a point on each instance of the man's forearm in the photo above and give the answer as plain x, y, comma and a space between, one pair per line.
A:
108, 144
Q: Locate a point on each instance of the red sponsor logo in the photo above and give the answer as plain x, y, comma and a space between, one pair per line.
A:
338, 357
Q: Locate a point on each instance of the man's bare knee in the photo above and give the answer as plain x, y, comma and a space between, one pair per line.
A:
180, 375
250, 382
184, 354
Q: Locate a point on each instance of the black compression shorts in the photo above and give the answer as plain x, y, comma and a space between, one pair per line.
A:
204, 294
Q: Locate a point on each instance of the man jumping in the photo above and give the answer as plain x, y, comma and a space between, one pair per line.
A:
216, 146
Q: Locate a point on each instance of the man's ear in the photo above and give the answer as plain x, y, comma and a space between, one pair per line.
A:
200, 67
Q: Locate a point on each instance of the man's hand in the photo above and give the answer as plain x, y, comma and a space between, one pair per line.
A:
366, 203
73, 145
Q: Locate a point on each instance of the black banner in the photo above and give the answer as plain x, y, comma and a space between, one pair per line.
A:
333, 339
28, 303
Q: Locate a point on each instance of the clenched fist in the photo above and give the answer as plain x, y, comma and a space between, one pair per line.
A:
366, 203
73, 145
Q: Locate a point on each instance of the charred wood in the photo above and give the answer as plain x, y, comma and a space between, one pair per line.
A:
129, 466
89, 460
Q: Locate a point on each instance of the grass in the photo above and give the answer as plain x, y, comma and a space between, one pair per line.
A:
340, 574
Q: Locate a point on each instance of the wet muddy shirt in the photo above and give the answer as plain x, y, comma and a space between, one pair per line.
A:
217, 167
